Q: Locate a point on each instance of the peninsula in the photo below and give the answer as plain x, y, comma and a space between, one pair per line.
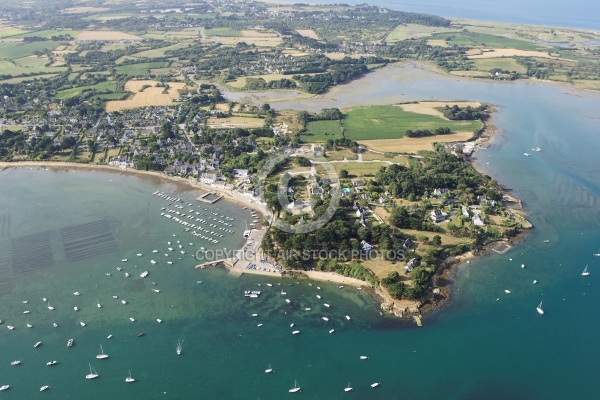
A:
171, 91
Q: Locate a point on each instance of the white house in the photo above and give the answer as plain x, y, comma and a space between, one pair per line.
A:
438, 216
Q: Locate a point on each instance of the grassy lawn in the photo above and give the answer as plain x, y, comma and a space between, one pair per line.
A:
322, 131
371, 156
10, 51
140, 69
359, 169
222, 32
472, 38
76, 91
391, 122
160, 52
508, 64
341, 155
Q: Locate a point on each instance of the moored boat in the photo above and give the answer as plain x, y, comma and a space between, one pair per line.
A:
296, 388
16, 362
70, 343
50, 363
43, 388
539, 309
93, 374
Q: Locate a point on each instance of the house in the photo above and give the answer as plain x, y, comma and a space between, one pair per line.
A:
317, 149
440, 192
477, 220
438, 216
239, 173
465, 211
316, 190
208, 178
366, 247
296, 205
358, 182
412, 263
407, 244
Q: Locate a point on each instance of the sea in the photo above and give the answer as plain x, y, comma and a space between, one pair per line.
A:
583, 14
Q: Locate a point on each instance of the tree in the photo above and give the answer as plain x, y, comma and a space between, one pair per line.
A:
437, 240
344, 174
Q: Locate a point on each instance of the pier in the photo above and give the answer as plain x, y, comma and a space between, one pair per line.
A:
228, 262
204, 198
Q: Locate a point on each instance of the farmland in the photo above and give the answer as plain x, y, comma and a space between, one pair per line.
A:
392, 122
140, 69
150, 96
321, 131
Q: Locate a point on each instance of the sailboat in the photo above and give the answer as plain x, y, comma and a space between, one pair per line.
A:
81, 322
179, 345
585, 271
102, 356
43, 388
295, 389
93, 374
539, 309
50, 307
597, 254
98, 304
129, 379
269, 370
348, 388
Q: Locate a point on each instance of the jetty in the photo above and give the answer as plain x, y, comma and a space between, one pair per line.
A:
209, 197
226, 261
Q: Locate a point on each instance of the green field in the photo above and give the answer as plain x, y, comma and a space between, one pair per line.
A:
10, 51
76, 91
12, 81
507, 64
222, 32
160, 52
14, 69
50, 32
321, 131
471, 38
359, 169
391, 122
9, 31
140, 69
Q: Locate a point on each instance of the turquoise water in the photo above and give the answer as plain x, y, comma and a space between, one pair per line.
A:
477, 347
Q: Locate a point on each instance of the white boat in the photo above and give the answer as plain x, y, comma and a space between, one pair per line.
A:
179, 346
139, 254
93, 374
144, 274
126, 274
506, 291
107, 273
325, 319
158, 320
16, 362
76, 308
152, 261
98, 304
115, 297
50, 363
70, 343
326, 305
348, 388
55, 324
101, 356
44, 299
259, 325
124, 260
25, 302
156, 290
522, 265
295, 332
4, 387
526, 154
288, 301
10, 327
269, 370
331, 330
109, 336
26, 312
318, 297
129, 379
539, 309
123, 301
155, 251
81, 322
534, 281
131, 319
50, 307
292, 325
364, 357
43, 388
29, 325
374, 385
295, 389
37, 344
585, 271
307, 309
597, 254
348, 317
